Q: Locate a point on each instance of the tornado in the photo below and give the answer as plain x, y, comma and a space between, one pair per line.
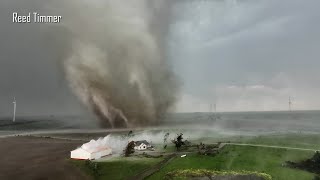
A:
117, 64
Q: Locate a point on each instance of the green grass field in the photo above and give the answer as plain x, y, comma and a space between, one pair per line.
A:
231, 158
200, 173
237, 158
116, 169
296, 140
288, 140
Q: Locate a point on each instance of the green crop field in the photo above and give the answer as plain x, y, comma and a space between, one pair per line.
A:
237, 158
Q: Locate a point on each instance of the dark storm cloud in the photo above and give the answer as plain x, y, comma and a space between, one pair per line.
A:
29, 64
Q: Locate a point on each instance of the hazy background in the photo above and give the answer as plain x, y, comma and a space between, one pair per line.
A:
243, 55
247, 55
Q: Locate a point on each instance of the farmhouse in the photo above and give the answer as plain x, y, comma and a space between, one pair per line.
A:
143, 145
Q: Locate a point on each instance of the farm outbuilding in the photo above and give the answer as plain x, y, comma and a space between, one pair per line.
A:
91, 151
81, 153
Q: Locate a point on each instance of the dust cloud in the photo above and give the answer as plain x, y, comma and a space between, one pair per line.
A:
117, 63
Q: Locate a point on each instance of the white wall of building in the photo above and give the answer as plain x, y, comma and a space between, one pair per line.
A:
80, 153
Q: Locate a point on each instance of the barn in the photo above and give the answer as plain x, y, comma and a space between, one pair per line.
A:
83, 154
91, 151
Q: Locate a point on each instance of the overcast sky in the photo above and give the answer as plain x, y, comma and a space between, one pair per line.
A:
246, 55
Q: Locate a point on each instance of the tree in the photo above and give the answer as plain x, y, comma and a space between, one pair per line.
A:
129, 149
178, 142
130, 134
165, 138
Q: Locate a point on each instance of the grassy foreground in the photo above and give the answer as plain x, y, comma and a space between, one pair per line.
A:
231, 158
117, 169
186, 174
237, 158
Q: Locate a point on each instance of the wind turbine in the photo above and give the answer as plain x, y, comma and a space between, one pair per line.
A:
290, 104
14, 109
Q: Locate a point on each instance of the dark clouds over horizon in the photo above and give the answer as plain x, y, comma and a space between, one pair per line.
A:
244, 55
